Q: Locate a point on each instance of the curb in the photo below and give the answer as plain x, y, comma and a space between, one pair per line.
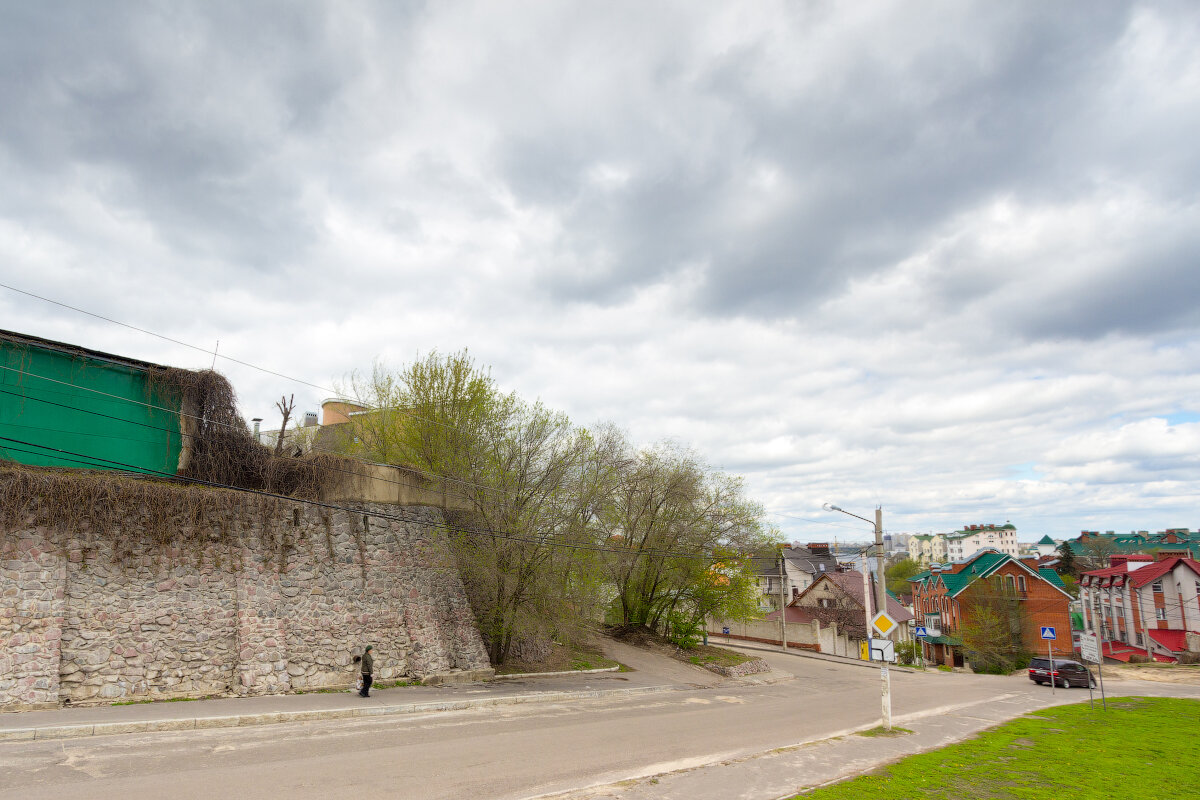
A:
515, 675
853, 662
281, 717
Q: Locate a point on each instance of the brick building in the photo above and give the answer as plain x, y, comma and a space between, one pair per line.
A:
944, 594
1143, 604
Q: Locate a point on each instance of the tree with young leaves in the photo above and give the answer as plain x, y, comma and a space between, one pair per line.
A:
524, 472
560, 520
898, 574
993, 631
667, 520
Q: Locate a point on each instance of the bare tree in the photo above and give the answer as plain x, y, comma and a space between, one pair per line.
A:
285, 405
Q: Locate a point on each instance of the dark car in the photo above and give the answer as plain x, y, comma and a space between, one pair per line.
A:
1065, 672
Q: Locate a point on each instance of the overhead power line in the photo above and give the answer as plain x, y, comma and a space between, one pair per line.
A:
215, 354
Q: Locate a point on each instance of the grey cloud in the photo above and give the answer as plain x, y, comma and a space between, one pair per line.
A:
882, 156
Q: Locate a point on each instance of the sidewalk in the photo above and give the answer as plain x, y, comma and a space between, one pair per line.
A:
232, 712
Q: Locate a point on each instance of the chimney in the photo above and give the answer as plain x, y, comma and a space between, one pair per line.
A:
257, 422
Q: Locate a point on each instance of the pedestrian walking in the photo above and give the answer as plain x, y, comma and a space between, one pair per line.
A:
368, 668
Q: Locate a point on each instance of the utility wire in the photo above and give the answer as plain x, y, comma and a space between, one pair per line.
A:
214, 353
817, 521
97, 461
207, 421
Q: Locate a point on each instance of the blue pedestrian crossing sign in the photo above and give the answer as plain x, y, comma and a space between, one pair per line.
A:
1048, 632
920, 631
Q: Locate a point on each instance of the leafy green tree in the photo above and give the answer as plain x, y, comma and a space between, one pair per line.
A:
552, 522
667, 519
897, 576
993, 636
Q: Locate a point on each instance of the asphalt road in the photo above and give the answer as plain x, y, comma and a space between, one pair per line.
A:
510, 752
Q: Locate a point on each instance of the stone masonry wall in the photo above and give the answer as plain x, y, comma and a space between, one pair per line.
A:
268, 611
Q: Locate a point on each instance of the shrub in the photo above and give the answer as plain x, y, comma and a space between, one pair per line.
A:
1137, 658
1188, 657
908, 652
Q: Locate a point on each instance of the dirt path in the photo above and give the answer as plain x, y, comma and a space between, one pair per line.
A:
1172, 674
663, 666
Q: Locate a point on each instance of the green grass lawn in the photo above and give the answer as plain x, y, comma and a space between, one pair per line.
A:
702, 655
1140, 747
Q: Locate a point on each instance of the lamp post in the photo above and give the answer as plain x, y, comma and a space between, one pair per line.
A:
885, 687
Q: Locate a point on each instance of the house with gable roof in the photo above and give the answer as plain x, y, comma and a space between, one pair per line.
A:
838, 597
1144, 605
943, 595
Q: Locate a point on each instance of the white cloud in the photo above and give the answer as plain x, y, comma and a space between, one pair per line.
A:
867, 254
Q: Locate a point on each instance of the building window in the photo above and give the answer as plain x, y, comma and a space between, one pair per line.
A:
1021, 583
1156, 587
1160, 614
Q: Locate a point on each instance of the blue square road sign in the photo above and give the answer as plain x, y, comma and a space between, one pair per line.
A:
920, 631
1048, 632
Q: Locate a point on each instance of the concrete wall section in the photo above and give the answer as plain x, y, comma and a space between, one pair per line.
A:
268, 611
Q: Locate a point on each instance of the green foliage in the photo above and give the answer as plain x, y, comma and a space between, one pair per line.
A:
1066, 563
555, 523
897, 576
874, 733
908, 653
993, 637
684, 630
1066, 753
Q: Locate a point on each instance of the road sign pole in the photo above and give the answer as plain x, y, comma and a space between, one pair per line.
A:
886, 690
866, 601
1100, 664
1050, 653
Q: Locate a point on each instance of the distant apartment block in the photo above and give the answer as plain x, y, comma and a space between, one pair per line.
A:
973, 538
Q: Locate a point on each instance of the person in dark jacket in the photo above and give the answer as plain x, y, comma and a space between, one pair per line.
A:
368, 667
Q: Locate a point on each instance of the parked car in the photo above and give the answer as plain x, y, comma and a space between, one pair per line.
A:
1065, 673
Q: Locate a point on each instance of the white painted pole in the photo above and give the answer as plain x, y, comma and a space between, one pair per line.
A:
866, 601
881, 605
782, 603
1050, 654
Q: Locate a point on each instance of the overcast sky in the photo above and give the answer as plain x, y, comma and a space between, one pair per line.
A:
942, 257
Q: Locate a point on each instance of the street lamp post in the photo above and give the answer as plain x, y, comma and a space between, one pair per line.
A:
885, 687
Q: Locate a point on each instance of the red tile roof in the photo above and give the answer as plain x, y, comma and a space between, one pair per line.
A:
1121, 652
1173, 639
851, 583
1156, 570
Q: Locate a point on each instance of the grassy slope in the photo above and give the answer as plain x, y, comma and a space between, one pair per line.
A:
1140, 747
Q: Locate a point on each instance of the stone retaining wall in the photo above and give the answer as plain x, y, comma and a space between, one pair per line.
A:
752, 667
268, 611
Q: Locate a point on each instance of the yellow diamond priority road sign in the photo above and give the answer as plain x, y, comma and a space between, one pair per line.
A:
883, 623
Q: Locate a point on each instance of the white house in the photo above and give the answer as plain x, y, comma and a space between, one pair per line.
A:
973, 538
